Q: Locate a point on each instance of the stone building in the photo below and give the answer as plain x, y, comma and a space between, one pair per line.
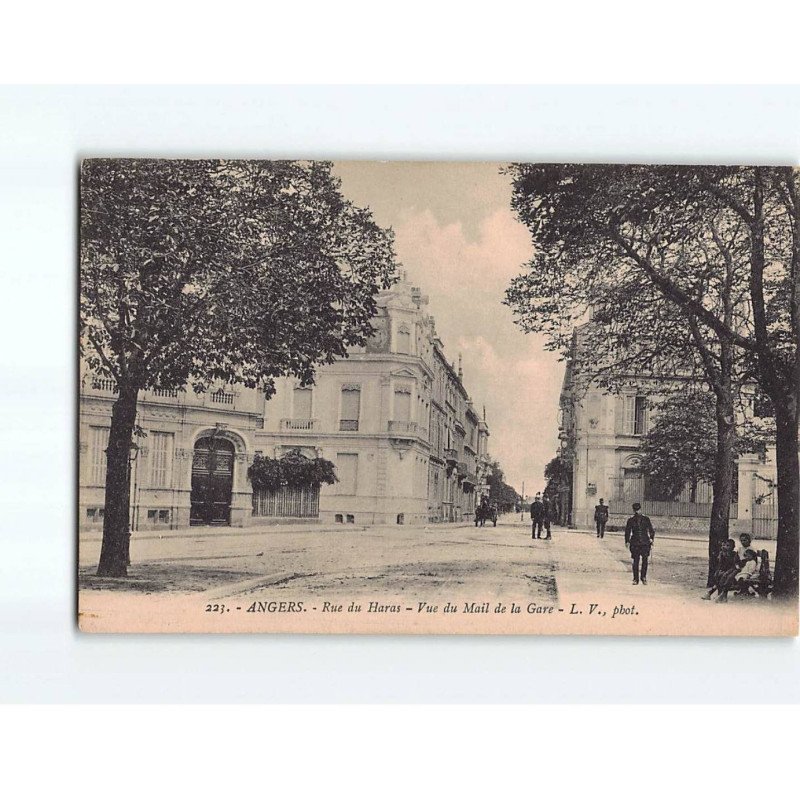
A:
394, 418
600, 439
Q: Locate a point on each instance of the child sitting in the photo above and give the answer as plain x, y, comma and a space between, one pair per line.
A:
726, 568
746, 568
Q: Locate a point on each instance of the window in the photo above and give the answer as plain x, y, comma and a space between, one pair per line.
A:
403, 339
402, 405
347, 472
351, 405
161, 460
640, 412
635, 416
98, 443
302, 403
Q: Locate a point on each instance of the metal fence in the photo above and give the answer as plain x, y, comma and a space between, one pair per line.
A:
671, 508
288, 501
697, 503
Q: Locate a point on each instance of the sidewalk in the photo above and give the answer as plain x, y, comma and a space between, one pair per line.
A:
678, 535
218, 531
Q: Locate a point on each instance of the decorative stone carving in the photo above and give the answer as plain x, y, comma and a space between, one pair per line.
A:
96, 408
161, 413
351, 387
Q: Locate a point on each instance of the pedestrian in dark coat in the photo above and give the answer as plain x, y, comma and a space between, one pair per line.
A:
601, 518
639, 536
537, 517
548, 515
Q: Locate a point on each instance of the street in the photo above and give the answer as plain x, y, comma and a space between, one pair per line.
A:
415, 566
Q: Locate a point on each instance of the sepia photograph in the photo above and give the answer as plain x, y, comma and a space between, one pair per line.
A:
438, 398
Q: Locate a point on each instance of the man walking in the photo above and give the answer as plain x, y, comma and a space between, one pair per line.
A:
639, 535
537, 517
600, 518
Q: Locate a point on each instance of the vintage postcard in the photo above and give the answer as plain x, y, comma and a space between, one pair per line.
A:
438, 398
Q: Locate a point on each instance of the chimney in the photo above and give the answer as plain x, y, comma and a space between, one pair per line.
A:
460, 369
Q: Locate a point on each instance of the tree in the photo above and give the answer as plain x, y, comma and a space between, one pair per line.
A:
500, 492
680, 449
722, 247
202, 271
559, 479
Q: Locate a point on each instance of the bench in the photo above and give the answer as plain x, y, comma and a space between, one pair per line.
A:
760, 585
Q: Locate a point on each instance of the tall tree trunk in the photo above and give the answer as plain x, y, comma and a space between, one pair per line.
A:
723, 479
116, 522
788, 468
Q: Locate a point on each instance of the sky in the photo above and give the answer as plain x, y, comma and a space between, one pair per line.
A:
459, 241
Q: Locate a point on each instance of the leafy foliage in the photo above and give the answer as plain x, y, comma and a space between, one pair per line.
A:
205, 271
556, 471
557, 476
238, 271
500, 493
619, 241
681, 446
680, 449
293, 469
686, 271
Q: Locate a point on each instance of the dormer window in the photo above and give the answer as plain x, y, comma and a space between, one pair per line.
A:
404, 339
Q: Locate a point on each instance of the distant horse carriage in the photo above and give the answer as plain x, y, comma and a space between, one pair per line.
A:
484, 513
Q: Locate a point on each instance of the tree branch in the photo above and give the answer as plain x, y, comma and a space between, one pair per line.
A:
673, 292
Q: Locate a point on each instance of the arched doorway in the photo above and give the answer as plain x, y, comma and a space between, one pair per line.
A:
212, 481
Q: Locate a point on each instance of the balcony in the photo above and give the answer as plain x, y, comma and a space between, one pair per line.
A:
451, 454
471, 479
462, 469
108, 385
405, 428
298, 424
348, 424
222, 398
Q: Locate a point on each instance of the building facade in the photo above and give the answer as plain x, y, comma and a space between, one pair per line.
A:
600, 446
394, 418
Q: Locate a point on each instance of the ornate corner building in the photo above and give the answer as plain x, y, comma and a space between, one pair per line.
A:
394, 418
